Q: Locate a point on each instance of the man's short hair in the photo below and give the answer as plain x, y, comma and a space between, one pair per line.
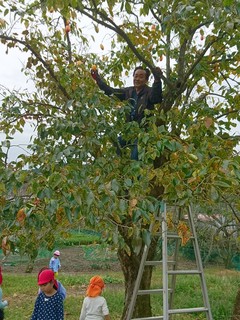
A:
142, 68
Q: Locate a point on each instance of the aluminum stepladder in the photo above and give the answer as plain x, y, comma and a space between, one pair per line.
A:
168, 291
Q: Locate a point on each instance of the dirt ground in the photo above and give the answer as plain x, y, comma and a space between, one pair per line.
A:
73, 259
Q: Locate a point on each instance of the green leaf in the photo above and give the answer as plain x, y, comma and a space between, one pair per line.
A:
127, 182
115, 185
90, 198
224, 184
55, 180
227, 3
128, 7
146, 237
122, 205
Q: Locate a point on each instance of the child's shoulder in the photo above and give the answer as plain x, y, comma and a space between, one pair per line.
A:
58, 296
99, 298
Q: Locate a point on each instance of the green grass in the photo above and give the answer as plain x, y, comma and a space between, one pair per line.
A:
222, 288
21, 291
78, 237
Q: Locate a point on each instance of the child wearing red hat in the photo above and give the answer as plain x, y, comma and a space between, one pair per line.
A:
94, 305
60, 288
3, 303
49, 303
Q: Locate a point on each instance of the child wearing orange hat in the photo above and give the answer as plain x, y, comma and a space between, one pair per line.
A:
94, 306
3, 303
49, 303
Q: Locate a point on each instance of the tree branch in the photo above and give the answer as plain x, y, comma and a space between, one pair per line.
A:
38, 56
232, 209
108, 23
201, 55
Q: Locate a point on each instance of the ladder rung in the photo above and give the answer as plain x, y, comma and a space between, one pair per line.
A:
176, 236
187, 310
149, 318
149, 291
157, 263
184, 272
153, 263
173, 235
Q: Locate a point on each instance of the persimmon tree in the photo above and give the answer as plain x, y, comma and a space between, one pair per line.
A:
72, 174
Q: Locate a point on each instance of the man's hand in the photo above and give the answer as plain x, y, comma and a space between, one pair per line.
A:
157, 73
94, 72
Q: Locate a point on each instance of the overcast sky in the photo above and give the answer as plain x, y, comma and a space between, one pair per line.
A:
12, 78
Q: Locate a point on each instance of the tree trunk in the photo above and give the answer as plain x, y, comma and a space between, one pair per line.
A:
29, 267
236, 310
130, 265
130, 261
31, 260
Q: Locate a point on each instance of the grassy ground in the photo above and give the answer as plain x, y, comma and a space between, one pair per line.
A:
21, 290
80, 262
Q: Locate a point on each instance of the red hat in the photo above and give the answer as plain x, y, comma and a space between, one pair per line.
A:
45, 276
1, 278
95, 287
56, 253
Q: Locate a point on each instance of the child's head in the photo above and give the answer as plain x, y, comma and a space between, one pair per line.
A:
56, 254
95, 286
46, 268
46, 281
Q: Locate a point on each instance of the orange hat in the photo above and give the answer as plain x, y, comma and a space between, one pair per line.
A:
95, 287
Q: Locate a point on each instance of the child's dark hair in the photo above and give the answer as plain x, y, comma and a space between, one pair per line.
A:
145, 69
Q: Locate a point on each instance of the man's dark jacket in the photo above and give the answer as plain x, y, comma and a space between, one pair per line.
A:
146, 98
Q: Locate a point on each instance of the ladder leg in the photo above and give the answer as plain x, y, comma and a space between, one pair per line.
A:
175, 265
199, 265
165, 264
137, 283
139, 277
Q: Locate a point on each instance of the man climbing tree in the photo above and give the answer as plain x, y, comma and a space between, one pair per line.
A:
140, 97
